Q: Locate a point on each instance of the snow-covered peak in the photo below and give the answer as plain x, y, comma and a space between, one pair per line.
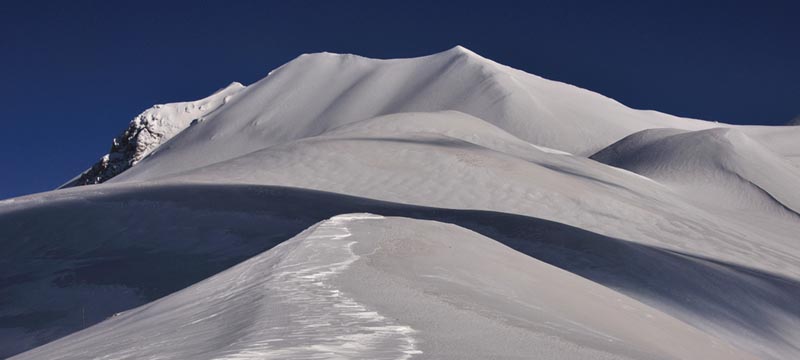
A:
459, 50
316, 93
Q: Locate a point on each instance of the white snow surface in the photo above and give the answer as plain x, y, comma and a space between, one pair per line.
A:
317, 92
581, 228
302, 300
710, 166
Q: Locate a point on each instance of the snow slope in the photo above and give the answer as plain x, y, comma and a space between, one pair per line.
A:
690, 221
782, 140
336, 290
107, 248
317, 92
397, 158
719, 167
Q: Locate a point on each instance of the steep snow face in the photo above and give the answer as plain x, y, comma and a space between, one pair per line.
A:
723, 168
360, 286
149, 130
315, 93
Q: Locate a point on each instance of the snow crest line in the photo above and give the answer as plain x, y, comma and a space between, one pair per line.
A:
326, 324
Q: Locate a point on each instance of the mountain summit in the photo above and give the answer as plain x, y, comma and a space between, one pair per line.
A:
318, 92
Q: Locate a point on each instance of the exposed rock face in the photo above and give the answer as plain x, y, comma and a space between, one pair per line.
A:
147, 131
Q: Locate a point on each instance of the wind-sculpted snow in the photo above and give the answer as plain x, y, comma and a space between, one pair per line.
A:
205, 227
329, 323
318, 92
350, 286
413, 158
676, 239
278, 305
719, 167
782, 140
315, 93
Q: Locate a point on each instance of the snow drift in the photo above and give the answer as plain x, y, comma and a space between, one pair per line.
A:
720, 167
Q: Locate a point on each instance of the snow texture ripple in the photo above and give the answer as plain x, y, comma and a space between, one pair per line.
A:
332, 324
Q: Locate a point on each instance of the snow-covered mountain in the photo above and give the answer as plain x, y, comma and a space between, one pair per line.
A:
525, 218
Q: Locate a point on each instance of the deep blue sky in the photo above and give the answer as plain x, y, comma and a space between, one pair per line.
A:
75, 72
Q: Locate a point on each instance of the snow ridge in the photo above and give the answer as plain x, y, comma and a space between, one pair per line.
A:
332, 324
281, 304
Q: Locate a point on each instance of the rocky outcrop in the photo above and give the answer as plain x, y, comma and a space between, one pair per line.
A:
148, 131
